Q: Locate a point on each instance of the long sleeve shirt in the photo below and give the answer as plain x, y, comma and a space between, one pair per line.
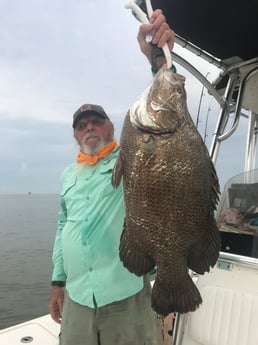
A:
86, 249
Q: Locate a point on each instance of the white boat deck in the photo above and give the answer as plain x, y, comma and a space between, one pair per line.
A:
39, 331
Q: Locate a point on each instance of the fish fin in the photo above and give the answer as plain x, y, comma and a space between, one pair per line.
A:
133, 258
117, 172
206, 252
169, 298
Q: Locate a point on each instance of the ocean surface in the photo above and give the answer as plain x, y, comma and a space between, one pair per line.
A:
27, 230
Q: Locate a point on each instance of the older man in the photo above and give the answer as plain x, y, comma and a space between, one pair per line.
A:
96, 299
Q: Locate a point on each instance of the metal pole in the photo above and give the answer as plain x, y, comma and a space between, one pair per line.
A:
206, 124
200, 102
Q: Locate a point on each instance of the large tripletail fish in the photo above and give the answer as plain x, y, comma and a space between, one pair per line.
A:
170, 192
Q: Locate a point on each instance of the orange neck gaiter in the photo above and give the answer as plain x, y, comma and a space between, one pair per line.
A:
83, 158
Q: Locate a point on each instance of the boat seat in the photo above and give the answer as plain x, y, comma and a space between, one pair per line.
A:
229, 312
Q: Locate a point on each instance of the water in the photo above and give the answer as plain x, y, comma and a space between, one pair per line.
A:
27, 231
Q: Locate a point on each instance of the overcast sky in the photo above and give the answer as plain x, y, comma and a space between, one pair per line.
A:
57, 55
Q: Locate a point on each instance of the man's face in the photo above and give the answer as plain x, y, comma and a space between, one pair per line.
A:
92, 133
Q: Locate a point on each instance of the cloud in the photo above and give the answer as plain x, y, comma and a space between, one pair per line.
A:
55, 56
23, 167
33, 154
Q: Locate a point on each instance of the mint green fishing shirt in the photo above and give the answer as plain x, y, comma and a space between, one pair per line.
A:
86, 249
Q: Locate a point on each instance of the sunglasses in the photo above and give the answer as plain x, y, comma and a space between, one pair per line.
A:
96, 122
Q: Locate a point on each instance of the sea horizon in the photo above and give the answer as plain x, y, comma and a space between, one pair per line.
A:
27, 232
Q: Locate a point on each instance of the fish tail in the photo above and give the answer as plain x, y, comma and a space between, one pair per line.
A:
133, 258
205, 254
170, 298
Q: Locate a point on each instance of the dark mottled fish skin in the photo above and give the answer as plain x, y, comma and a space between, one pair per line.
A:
170, 192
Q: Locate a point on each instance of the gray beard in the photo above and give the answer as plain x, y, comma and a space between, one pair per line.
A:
92, 150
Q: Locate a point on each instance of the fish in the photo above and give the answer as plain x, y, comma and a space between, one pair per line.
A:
171, 191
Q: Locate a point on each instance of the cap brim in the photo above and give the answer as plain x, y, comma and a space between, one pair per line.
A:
86, 113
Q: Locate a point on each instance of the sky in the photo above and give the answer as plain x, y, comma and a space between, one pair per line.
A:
57, 55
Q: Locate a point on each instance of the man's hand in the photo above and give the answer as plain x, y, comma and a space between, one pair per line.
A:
160, 32
55, 305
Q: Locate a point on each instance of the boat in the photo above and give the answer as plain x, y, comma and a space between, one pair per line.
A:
224, 33
229, 310
39, 331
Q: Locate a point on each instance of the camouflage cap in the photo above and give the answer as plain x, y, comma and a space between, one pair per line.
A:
87, 109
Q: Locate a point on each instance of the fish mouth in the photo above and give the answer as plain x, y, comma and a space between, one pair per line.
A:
140, 118
156, 110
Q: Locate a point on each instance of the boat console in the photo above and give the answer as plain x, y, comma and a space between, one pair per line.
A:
237, 215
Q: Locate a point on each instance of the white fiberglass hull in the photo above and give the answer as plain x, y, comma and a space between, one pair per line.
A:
39, 331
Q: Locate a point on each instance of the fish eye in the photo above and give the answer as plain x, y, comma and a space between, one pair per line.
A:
146, 138
148, 144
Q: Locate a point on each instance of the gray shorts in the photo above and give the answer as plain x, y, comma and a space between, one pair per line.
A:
127, 322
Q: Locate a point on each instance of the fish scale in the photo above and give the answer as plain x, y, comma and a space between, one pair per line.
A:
170, 193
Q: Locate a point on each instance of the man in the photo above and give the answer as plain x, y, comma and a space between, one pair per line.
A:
102, 302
